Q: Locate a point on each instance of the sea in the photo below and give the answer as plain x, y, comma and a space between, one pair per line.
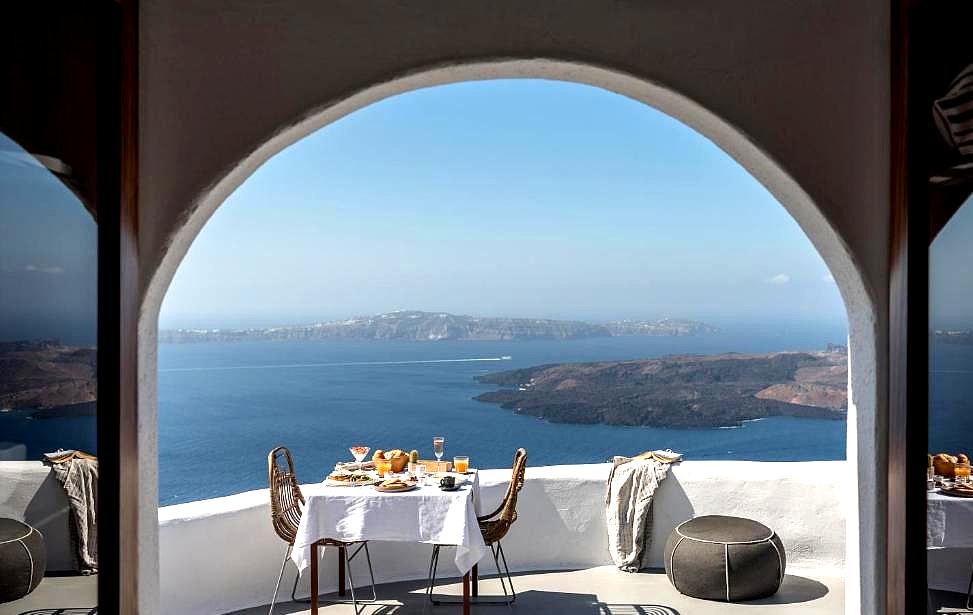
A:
223, 406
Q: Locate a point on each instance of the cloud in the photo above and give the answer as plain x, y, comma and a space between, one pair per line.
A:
780, 278
52, 269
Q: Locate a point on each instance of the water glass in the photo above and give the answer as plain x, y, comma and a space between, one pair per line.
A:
420, 471
439, 447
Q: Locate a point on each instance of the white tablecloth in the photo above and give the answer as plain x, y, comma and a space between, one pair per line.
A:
426, 515
949, 521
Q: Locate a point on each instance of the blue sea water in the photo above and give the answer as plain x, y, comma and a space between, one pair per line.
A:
222, 407
951, 398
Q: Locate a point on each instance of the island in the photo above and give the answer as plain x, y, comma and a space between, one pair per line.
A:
685, 391
413, 325
49, 377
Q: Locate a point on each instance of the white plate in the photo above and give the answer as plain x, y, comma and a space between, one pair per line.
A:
396, 490
345, 483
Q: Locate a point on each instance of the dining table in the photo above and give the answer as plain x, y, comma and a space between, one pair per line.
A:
426, 514
949, 541
949, 521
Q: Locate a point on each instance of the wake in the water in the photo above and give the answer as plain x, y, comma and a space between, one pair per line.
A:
341, 364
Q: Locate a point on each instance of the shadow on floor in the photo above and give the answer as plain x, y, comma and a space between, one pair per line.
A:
793, 590
530, 601
947, 603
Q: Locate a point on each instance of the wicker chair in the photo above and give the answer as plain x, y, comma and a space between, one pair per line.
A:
493, 526
286, 500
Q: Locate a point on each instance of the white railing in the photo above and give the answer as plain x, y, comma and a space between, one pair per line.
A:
220, 555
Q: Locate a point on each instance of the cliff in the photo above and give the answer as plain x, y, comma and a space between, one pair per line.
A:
46, 375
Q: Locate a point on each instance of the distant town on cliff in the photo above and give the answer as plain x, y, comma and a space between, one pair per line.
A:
437, 326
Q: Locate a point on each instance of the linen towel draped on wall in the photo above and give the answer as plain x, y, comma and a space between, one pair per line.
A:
628, 505
78, 474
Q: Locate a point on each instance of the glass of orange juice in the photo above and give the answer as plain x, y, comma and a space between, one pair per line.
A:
383, 466
461, 464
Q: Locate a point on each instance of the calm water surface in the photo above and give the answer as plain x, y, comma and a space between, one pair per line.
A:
222, 407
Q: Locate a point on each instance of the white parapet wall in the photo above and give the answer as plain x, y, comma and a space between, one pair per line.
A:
222, 554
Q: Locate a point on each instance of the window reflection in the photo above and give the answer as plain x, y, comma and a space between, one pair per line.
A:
48, 331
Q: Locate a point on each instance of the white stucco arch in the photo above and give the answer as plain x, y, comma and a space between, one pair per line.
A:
861, 301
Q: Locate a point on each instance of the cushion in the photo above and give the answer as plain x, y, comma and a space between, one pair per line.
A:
725, 558
23, 559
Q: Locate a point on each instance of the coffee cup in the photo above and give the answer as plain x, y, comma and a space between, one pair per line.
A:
447, 482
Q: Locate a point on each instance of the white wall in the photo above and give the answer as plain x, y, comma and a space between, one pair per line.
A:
30, 493
797, 92
222, 554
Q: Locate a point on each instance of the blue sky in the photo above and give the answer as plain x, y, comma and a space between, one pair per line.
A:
506, 198
48, 255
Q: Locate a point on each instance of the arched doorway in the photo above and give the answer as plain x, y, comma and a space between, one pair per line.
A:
862, 317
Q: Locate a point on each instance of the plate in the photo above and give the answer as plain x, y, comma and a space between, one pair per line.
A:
396, 489
957, 493
456, 488
330, 482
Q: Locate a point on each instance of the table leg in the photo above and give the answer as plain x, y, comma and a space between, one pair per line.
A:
474, 580
314, 579
341, 571
466, 594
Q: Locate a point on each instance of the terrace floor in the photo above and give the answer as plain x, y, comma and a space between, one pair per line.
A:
57, 595
594, 591
599, 591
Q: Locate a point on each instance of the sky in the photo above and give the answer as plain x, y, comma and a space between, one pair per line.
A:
950, 280
525, 198
48, 255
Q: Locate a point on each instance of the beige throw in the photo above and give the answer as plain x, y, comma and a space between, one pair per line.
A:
628, 508
79, 477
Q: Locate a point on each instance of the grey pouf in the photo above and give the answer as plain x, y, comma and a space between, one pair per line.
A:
725, 558
23, 559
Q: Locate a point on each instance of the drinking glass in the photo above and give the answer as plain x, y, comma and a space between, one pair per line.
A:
420, 472
962, 473
383, 467
461, 464
439, 447
359, 452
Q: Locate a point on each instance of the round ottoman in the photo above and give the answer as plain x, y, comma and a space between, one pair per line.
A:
23, 559
724, 558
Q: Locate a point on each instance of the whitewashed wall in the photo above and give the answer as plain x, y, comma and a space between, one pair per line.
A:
30, 493
222, 554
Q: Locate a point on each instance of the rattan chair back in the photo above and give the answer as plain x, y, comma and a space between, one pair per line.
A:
496, 525
285, 494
